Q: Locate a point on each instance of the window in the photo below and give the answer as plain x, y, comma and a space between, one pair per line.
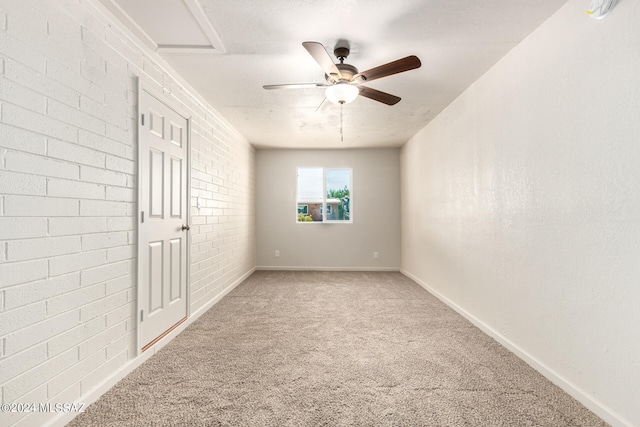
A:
324, 195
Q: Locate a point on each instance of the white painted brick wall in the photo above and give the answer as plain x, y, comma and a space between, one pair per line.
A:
19, 183
95, 376
25, 249
39, 394
103, 208
38, 122
70, 263
28, 77
33, 291
75, 336
40, 332
124, 313
41, 165
75, 299
25, 361
75, 189
104, 240
103, 176
18, 318
102, 143
106, 272
23, 97
13, 228
68, 196
99, 342
73, 152
76, 225
19, 206
34, 377
21, 140
22, 272
75, 375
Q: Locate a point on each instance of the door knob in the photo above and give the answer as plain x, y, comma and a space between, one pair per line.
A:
185, 227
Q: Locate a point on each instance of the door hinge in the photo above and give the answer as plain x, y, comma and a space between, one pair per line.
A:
142, 216
141, 315
142, 118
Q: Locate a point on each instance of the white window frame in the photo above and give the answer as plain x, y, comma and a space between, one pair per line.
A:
326, 209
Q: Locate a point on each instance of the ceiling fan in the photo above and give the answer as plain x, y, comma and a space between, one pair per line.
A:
344, 82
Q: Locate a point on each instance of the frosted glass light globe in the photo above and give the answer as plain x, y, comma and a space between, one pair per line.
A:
342, 93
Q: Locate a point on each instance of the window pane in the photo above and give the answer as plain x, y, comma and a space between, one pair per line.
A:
338, 186
309, 196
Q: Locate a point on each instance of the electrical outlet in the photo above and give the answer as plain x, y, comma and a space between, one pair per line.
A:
375, 255
277, 253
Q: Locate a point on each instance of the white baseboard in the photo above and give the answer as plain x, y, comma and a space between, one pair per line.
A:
94, 394
574, 391
298, 268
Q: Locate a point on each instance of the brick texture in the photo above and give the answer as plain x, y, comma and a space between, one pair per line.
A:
68, 196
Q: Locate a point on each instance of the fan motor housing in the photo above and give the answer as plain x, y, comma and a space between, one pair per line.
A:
346, 70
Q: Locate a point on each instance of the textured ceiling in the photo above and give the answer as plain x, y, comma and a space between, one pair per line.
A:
456, 40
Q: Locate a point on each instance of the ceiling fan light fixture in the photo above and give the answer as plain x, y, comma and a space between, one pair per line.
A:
342, 93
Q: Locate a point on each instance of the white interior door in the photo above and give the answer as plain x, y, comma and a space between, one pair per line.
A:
163, 219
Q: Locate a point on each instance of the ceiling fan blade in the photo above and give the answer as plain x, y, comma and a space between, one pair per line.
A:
376, 95
323, 106
405, 64
294, 86
319, 53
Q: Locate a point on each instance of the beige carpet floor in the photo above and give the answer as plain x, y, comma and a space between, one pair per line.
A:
334, 349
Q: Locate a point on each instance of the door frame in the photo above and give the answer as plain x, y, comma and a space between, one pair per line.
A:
143, 85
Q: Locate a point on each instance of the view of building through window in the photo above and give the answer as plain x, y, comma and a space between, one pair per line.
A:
324, 195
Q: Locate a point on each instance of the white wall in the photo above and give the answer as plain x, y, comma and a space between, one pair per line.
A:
521, 205
376, 215
68, 197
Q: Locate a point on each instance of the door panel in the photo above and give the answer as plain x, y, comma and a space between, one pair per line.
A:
156, 192
176, 187
176, 269
155, 276
156, 123
176, 134
163, 205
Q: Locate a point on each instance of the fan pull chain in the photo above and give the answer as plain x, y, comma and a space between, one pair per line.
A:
341, 133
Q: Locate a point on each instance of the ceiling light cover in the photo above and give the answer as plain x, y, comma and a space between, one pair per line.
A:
600, 8
342, 93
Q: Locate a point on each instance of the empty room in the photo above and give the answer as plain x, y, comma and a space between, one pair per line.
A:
297, 213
